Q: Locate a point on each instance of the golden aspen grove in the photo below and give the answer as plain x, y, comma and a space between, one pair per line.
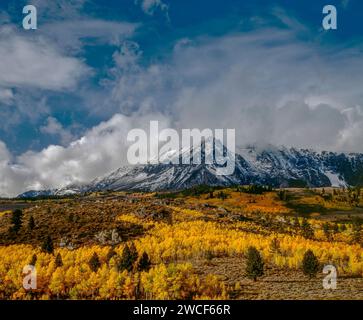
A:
183, 245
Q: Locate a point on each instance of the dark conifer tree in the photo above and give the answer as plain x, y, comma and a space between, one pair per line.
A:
143, 263
31, 223
255, 264
47, 245
111, 253
58, 260
127, 259
16, 220
33, 260
94, 263
307, 230
134, 253
310, 264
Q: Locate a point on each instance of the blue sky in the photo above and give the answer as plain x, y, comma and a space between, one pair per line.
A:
95, 69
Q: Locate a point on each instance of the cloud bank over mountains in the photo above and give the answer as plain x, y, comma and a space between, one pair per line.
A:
270, 85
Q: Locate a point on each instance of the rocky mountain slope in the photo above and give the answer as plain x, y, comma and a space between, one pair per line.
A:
278, 167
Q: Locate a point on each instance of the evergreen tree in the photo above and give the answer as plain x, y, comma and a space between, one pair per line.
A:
255, 264
71, 218
33, 260
143, 263
111, 253
58, 260
310, 264
357, 227
47, 245
94, 263
335, 228
296, 222
133, 251
307, 230
282, 195
31, 223
326, 230
222, 195
343, 227
209, 255
17, 220
127, 259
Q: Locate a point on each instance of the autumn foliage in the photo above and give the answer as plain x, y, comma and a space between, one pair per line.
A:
158, 261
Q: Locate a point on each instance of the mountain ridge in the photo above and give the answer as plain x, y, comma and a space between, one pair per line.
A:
275, 166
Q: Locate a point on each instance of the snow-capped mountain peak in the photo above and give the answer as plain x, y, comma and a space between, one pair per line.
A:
278, 167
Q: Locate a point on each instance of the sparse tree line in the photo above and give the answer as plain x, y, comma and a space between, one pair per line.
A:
349, 195
17, 222
255, 265
330, 231
130, 260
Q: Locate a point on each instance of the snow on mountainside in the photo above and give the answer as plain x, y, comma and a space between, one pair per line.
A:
335, 179
278, 167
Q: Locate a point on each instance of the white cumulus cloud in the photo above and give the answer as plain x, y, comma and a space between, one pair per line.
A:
31, 62
99, 151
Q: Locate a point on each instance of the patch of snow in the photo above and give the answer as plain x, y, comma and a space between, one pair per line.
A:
335, 180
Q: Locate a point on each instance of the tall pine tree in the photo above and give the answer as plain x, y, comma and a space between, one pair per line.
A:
310, 264
127, 259
255, 264
47, 245
16, 220
307, 230
58, 260
143, 263
94, 263
31, 223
